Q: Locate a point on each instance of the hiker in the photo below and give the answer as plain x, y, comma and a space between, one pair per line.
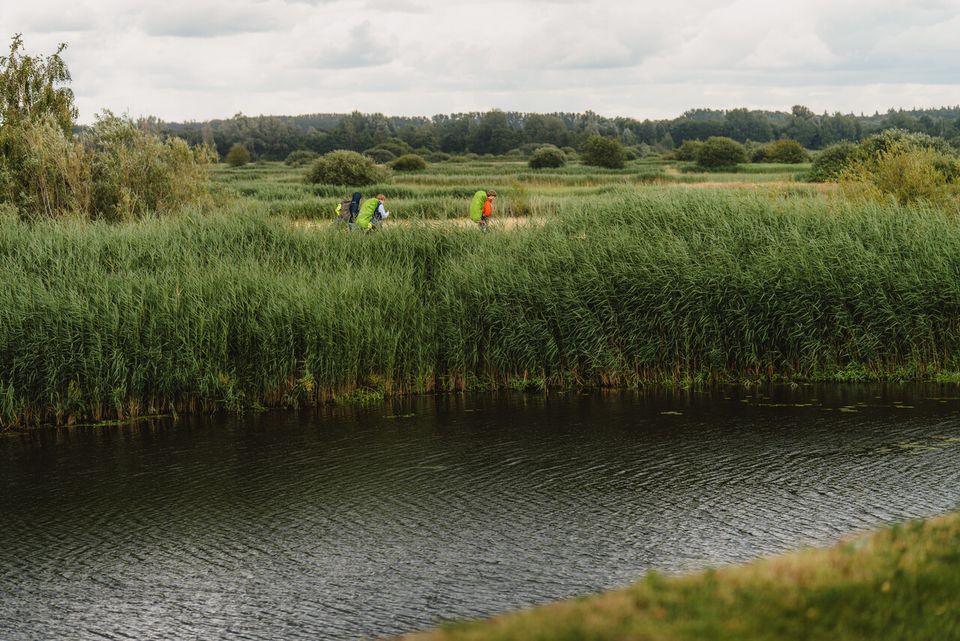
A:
481, 207
371, 213
348, 209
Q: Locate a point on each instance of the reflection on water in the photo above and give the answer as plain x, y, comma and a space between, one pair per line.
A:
346, 524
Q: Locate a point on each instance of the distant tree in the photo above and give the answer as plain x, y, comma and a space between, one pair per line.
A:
31, 88
743, 125
493, 135
721, 152
603, 152
237, 156
547, 157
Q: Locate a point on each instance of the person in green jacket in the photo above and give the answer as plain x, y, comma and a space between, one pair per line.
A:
371, 213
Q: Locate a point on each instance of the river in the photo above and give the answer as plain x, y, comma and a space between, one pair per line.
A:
356, 523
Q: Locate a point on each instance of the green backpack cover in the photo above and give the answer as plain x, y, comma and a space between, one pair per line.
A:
476, 206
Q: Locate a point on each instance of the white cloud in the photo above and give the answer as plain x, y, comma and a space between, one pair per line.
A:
197, 59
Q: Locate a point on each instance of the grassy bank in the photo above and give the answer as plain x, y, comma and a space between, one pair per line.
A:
899, 583
662, 285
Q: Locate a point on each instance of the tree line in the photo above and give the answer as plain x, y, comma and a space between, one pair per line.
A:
498, 132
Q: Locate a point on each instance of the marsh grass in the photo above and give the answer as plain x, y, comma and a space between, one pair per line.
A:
646, 285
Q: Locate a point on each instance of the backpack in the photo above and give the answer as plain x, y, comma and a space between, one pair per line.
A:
347, 210
476, 206
343, 212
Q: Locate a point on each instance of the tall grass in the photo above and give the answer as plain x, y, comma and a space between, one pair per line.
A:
647, 285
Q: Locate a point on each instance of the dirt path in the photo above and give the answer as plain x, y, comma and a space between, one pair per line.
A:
499, 222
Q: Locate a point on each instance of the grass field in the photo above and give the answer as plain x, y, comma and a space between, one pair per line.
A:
897, 584
622, 283
443, 191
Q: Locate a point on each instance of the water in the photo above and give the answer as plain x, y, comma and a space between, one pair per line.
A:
355, 524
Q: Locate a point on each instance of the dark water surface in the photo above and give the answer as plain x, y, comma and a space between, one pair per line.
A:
347, 524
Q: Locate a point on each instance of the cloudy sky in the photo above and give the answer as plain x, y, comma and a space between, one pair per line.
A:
200, 59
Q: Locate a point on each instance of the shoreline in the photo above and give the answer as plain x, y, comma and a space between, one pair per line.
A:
894, 583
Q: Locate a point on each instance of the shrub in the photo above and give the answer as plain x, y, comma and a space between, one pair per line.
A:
688, 150
347, 168
758, 153
903, 171
43, 173
409, 162
603, 152
785, 150
135, 172
547, 157
237, 156
830, 163
395, 146
528, 148
380, 155
720, 152
886, 139
116, 171
569, 152
301, 157
438, 156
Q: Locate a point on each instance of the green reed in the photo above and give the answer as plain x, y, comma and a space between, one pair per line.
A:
644, 285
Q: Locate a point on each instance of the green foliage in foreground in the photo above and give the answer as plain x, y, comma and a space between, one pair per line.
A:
645, 285
900, 583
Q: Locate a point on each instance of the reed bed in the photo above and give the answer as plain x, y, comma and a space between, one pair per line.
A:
651, 285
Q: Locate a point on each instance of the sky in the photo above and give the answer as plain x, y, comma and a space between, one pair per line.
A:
202, 59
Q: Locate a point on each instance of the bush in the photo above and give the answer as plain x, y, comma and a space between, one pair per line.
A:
43, 173
135, 172
237, 156
720, 152
688, 150
301, 157
830, 163
603, 152
346, 168
117, 171
899, 138
380, 155
547, 157
409, 162
906, 172
395, 146
785, 150
438, 156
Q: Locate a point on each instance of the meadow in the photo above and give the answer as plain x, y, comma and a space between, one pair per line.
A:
629, 278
